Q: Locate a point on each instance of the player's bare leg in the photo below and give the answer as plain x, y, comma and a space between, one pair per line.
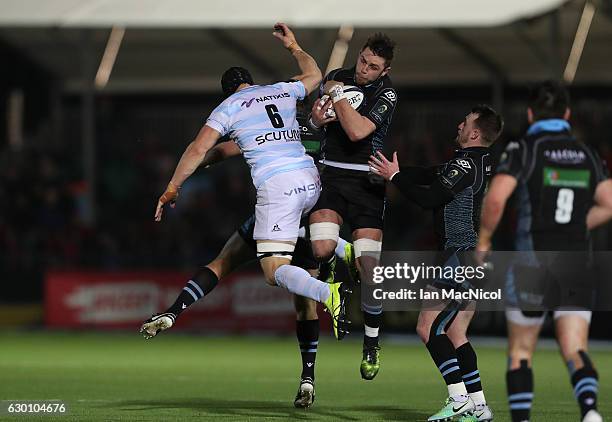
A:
522, 340
324, 234
234, 253
324, 231
572, 332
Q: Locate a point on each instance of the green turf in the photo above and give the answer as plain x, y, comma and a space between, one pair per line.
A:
177, 377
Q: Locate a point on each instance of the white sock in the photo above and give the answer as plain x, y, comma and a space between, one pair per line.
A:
478, 397
302, 232
340, 248
299, 282
457, 390
371, 332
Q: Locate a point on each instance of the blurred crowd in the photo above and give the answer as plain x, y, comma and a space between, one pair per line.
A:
45, 224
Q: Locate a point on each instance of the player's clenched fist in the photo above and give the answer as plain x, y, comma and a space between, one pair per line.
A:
170, 196
283, 33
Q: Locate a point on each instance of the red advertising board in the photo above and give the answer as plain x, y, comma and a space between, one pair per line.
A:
240, 303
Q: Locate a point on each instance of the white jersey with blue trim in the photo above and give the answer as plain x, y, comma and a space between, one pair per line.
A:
261, 119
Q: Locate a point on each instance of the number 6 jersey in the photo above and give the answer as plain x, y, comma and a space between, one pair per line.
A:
557, 176
261, 119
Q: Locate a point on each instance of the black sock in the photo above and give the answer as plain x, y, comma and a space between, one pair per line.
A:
520, 392
371, 321
469, 367
308, 338
585, 383
443, 354
200, 285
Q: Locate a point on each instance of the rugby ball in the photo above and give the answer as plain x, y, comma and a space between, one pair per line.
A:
353, 94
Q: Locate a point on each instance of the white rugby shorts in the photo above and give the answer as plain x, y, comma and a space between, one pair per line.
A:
282, 201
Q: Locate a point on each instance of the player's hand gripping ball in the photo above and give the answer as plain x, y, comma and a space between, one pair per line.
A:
353, 94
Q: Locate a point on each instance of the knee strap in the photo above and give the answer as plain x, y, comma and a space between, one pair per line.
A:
278, 249
366, 245
324, 231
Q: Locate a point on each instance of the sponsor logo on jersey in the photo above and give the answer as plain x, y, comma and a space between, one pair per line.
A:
390, 96
247, 103
272, 97
282, 135
566, 178
569, 156
451, 177
464, 164
380, 110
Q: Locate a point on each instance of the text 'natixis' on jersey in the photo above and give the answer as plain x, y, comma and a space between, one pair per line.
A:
282, 135
265, 98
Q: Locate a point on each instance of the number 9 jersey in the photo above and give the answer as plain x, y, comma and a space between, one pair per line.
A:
556, 181
261, 119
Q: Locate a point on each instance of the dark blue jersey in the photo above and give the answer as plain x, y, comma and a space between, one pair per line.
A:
556, 180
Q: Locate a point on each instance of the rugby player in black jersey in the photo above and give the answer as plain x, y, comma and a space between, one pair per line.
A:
557, 180
454, 190
355, 113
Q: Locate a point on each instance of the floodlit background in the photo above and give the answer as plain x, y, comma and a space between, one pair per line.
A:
98, 99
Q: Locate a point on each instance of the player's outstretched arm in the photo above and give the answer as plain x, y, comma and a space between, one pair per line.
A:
189, 162
601, 213
493, 206
310, 73
427, 197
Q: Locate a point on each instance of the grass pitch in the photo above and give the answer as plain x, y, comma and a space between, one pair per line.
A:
120, 377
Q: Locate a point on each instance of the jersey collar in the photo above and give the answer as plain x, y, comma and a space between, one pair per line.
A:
549, 125
459, 151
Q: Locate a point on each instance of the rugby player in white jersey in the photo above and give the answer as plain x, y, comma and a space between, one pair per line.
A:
261, 119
